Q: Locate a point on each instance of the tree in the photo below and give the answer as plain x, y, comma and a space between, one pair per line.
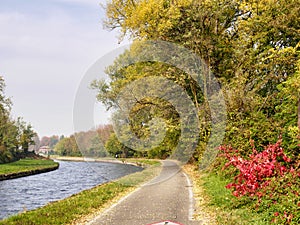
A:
15, 135
36, 146
68, 147
117, 149
8, 130
90, 143
45, 141
250, 46
26, 138
290, 90
96, 148
26, 135
208, 28
266, 53
104, 132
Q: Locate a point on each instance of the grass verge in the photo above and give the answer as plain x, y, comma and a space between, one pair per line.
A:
83, 206
25, 167
228, 209
141, 161
202, 212
214, 204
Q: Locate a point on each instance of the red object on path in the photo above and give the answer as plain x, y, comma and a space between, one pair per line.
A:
165, 223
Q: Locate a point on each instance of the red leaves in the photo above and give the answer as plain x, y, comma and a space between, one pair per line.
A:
255, 172
270, 177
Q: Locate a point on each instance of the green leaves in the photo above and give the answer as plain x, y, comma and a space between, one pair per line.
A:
252, 47
15, 135
68, 147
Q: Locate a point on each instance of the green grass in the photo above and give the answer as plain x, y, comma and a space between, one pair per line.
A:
25, 165
142, 161
84, 203
228, 209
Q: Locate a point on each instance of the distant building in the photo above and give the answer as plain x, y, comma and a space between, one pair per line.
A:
44, 150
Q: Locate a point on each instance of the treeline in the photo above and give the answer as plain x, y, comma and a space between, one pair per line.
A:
252, 48
87, 144
16, 136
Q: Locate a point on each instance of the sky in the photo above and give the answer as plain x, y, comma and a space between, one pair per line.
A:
46, 47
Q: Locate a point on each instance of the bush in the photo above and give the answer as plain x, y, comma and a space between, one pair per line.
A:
270, 178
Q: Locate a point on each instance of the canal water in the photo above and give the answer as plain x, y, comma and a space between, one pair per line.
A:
31, 192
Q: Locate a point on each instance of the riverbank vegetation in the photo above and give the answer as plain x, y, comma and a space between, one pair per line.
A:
25, 167
216, 205
26, 164
84, 206
16, 144
16, 136
87, 144
252, 48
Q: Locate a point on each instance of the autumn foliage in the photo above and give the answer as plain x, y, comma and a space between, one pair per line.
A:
267, 176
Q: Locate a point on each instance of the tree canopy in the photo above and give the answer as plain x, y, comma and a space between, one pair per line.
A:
252, 47
16, 136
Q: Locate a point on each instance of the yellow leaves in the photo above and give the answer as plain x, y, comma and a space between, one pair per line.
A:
258, 5
293, 132
294, 82
144, 17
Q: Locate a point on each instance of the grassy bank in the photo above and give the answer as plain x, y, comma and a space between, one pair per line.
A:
134, 161
216, 205
25, 167
141, 162
85, 205
228, 209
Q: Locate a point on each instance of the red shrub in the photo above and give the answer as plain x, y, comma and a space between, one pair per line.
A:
254, 172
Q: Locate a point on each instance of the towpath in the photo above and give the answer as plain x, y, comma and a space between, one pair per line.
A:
168, 197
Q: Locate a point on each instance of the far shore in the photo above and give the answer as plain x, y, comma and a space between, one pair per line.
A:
26, 167
86, 159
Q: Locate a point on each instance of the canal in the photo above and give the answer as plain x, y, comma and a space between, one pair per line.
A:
31, 192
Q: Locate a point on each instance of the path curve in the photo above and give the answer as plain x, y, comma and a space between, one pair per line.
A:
166, 197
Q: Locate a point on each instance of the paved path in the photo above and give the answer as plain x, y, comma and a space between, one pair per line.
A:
166, 197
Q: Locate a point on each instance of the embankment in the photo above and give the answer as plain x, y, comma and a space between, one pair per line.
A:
26, 167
